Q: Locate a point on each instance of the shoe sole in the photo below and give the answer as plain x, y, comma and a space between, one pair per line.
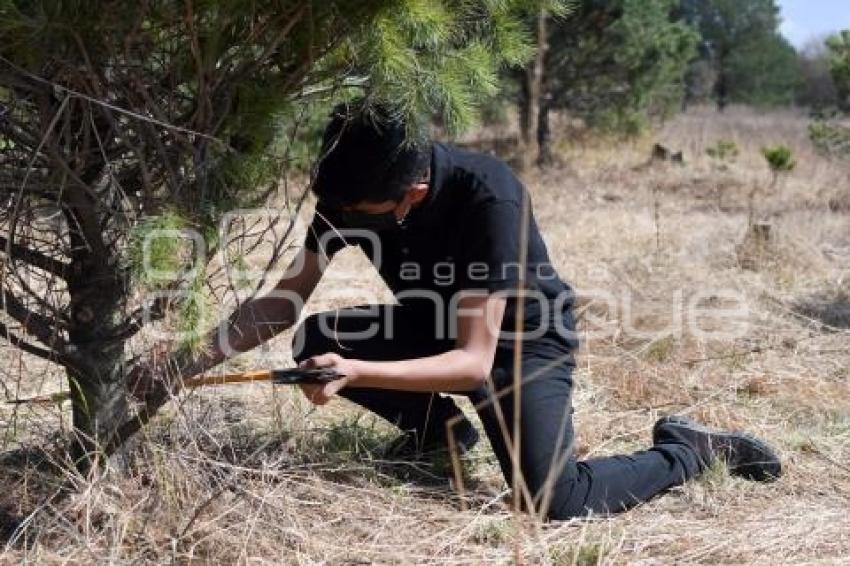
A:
733, 437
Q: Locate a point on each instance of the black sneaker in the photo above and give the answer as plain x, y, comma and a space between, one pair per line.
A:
409, 446
744, 455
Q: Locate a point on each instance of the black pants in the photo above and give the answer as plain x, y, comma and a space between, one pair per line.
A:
561, 486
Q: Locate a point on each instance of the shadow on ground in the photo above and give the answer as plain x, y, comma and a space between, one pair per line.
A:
366, 448
28, 476
830, 308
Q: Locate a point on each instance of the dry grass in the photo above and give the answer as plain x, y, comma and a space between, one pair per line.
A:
243, 475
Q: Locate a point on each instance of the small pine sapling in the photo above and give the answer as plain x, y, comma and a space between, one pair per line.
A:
780, 159
723, 153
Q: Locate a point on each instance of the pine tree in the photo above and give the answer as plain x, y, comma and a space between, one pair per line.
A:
817, 90
121, 119
614, 64
830, 134
751, 60
839, 62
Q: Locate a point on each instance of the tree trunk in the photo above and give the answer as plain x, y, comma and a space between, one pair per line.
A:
98, 291
525, 123
722, 86
99, 409
544, 133
532, 90
97, 387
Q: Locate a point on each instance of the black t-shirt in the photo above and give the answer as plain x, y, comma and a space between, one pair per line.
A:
464, 236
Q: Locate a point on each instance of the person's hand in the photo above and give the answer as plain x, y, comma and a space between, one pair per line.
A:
321, 393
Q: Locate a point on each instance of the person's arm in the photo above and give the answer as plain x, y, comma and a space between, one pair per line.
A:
251, 324
262, 318
464, 368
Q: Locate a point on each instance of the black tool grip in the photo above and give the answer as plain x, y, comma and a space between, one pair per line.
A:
295, 376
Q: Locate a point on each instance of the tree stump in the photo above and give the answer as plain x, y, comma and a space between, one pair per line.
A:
755, 250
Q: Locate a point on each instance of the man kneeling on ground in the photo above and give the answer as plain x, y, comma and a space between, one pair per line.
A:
442, 226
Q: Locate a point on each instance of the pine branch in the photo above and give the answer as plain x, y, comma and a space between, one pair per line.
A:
34, 324
36, 259
130, 326
20, 343
163, 390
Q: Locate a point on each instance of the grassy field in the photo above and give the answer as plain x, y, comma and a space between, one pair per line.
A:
251, 475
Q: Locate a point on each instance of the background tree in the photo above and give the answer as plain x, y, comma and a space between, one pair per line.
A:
839, 61
121, 118
614, 64
830, 134
765, 73
817, 90
741, 41
533, 107
700, 80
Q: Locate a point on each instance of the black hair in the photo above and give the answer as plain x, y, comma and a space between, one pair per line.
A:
366, 156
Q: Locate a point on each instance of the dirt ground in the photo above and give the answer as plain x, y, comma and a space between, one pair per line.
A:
683, 310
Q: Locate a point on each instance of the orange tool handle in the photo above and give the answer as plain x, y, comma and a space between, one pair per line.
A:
244, 377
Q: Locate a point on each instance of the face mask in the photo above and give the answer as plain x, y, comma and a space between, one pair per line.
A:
374, 222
